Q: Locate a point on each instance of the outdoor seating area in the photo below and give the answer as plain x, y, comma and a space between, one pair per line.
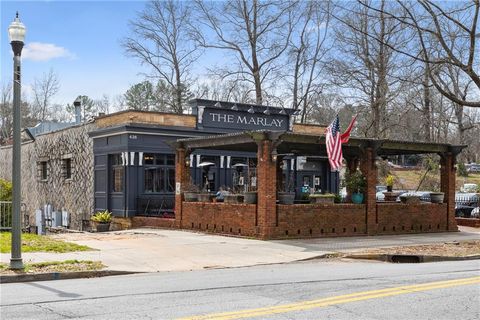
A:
269, 218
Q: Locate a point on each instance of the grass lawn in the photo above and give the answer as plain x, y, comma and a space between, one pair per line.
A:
54, 266
410, 179
32, 242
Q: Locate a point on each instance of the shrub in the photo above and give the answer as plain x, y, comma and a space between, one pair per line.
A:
102, 217
462, 170
5, 190
355, 181
389, 180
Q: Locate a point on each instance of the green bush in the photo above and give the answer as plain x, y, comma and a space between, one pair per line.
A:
102, 217
355, 181
5, 190
462, 170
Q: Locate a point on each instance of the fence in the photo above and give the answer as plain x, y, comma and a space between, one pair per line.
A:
6, 215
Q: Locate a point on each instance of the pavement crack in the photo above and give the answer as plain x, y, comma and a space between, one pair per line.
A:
39, 305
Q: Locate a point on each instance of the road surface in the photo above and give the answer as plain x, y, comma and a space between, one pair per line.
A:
308, 290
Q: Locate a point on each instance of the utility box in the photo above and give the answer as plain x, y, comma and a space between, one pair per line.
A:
39, 221
65, 219
56, 218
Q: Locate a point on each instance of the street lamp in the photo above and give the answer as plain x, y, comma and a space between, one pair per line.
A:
16, 32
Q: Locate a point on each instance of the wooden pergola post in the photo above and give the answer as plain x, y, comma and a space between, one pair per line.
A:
182, 179
267, 189
369, 170
447, 185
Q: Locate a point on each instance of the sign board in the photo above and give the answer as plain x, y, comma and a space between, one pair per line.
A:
241, 120
178, 188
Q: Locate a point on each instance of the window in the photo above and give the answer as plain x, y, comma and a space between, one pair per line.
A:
67, 168
159, 173
42, 170
117, 172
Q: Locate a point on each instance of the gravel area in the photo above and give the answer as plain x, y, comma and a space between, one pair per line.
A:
451, 249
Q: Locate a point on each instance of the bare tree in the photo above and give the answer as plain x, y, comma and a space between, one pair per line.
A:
307, 50
6, 110
160, 40
370, 72
256, 33
446, 36
44, 89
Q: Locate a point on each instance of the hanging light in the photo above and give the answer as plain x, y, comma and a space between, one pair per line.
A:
251, 110
234, 107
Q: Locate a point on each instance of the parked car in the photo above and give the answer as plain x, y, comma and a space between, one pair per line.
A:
465, 203
469, 188
473, 167
475, 213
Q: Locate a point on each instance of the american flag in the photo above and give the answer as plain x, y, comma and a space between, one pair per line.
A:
334, 144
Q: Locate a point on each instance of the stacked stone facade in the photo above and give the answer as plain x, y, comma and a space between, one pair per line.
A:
74, 195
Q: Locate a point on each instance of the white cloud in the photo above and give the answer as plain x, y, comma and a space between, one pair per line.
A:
38, 51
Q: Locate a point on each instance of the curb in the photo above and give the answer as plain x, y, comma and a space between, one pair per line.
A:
409, 258
60, 276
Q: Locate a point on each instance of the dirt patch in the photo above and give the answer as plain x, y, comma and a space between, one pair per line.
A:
104, 236
447, 249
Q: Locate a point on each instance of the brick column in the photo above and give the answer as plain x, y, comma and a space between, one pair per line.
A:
182, 177
369, 169
267, 190
447, 183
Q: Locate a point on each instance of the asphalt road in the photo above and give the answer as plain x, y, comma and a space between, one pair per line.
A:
308, 290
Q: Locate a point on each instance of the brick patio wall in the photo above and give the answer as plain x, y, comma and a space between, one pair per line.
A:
397, 218
320, 220
225, 218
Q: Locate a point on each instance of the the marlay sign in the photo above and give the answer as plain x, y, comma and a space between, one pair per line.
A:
215, 118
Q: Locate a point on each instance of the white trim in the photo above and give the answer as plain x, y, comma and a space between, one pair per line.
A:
198, 160
222, 159
132, 158
140, 158
146, 133
229, 158
191, 160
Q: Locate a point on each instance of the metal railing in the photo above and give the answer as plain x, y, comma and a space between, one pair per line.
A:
6, 215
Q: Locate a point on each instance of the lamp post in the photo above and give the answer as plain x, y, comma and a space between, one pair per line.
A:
16, 32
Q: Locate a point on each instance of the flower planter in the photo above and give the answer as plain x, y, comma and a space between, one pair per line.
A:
391, 196
286, 197
357, 198
190, 196
204, 197
250, 197
437, 197
101, 227
410, 199
233, 198
321, 198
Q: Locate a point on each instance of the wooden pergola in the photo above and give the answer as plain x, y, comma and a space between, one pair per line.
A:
358, 153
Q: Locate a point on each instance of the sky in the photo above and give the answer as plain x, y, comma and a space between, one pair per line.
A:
79, 40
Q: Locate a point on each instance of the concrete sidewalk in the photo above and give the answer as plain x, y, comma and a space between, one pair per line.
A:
152, 250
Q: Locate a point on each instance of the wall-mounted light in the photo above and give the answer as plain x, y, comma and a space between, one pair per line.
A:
234, 107
267, 111
187, 161
218, 104
283, 111
274, 155
251, 110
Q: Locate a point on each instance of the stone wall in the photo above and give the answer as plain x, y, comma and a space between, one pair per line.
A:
74, 195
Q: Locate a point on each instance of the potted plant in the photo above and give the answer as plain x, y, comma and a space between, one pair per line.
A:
190, 192
409, 198
101, 220
389, 180
356, 182
233, 196
436, 196
322, 198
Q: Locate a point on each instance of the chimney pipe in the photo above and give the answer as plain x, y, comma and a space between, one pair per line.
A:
78, 110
